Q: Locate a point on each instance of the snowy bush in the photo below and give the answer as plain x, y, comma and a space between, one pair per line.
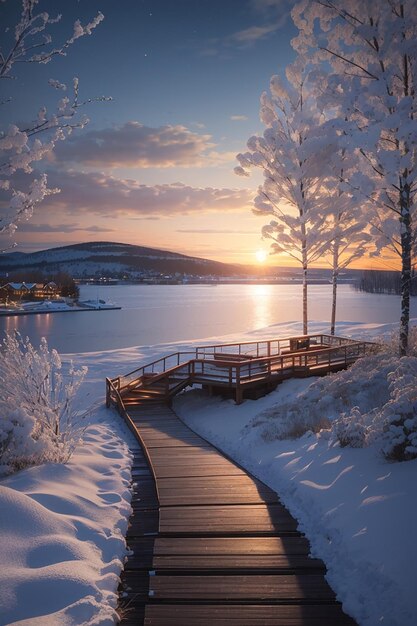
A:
353, 429
372, 402
37, 420
391, 344
392, 423
327, 399
400, 413
289, 421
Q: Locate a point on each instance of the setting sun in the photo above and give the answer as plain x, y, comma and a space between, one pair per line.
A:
261, 256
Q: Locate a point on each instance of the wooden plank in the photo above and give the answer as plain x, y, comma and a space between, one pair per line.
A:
240, 562
220, 482
194, 469
231, 545
214, 490
242, 552
212, 498
244, 615
233, 587
147, 420
194, 452
171, 442
167, 429
188, 457
234, 519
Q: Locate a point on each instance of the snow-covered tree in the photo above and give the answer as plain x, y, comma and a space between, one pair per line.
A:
22, 145
286, 153
369, 53
38, 421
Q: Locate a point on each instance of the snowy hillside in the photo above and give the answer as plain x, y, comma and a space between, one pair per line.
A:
112, 259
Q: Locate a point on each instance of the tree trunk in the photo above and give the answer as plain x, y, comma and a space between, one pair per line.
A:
335, 275
334, 294
405, 221
305, 317
304, 259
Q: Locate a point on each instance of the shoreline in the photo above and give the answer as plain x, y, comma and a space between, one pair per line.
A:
74, 310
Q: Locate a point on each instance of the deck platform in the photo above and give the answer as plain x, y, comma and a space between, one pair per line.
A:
240, 370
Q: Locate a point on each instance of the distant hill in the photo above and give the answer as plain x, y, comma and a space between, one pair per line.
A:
113, 260
118, 260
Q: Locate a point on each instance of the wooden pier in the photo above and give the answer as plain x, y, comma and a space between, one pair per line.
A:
210, 544
240, 370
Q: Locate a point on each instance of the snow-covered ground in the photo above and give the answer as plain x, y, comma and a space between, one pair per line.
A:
61, 527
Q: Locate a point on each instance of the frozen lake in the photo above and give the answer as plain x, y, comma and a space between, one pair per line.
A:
163, 313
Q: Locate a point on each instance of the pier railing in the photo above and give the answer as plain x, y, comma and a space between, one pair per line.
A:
236, 365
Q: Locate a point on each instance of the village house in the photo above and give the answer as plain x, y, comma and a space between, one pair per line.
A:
28, 291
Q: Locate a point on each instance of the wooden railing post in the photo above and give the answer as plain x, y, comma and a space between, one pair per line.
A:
239, 396
108, 402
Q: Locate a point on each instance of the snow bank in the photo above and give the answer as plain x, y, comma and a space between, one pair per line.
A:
62, 531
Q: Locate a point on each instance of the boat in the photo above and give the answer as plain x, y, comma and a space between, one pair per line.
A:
97, 305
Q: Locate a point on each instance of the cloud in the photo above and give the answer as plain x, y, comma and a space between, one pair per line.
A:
30, 227
274, 5
137, 145
238, 118
213, 231
109, 196
255, 33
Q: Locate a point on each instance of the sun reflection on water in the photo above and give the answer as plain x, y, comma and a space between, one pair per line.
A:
261, 296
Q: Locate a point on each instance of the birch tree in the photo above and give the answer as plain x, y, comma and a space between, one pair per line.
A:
285, 153
346, 231
23, 145
370, 48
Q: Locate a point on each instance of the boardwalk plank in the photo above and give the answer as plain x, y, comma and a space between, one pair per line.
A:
195, 470
235, 519
231, 587
233, 553
244, 615
231, 545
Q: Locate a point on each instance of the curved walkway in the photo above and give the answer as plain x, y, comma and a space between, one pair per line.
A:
210, 544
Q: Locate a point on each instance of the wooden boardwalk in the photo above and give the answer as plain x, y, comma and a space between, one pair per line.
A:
210, 544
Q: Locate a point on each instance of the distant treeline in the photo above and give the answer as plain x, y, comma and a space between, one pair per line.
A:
376, 281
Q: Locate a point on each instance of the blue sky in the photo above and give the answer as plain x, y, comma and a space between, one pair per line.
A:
155, 165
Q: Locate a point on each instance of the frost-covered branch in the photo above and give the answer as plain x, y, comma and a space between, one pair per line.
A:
21, 146
32, 32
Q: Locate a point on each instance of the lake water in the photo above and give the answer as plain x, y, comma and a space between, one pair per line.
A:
164, 313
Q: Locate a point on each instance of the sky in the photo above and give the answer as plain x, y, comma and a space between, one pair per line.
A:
155, 165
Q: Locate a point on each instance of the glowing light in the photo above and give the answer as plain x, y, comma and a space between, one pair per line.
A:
261, 256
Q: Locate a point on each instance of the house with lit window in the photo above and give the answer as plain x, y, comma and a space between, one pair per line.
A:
28, 291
